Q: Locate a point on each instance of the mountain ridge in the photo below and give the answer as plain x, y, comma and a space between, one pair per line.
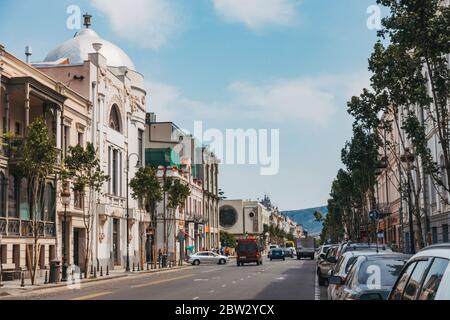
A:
306, 218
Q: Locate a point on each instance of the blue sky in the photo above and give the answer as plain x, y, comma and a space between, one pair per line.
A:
269, 64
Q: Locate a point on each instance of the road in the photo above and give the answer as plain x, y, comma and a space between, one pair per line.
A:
277, 280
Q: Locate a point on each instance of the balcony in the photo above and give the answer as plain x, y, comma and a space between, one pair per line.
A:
24, 228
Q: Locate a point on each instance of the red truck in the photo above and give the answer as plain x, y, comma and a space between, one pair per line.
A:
248, 251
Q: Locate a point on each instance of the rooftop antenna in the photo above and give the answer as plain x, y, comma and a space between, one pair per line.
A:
28, 53
87, 20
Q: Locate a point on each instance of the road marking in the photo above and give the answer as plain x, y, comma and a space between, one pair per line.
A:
233, 282
212, 291
242, 279
211, 270
195, 280
224, 286
92, 296
280, 278
161, 281
316, 289
196, 298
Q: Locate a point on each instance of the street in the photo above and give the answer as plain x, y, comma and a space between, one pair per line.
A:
276, 280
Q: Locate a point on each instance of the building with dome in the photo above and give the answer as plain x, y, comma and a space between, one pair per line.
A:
103, 73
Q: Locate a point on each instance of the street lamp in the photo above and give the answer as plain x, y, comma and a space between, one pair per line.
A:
65, 199
138, 164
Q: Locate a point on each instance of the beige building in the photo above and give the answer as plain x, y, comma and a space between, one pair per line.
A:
26, 94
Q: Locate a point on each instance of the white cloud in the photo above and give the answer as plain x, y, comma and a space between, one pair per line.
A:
313, 100
256, 14
149, 23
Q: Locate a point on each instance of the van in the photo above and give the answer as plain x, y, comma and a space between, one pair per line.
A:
248, 251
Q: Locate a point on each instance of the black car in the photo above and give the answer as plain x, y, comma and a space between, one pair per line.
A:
277, 254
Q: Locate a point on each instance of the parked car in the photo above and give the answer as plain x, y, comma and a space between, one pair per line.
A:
277, 254
426, 276
347, 246
341, 269
371, 277
248, 251
326, 264
207, 257
322, 251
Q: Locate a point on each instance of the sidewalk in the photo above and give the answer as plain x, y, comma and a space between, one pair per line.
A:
12, 288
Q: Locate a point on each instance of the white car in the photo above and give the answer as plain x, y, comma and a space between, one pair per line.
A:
207, 257
426, 276
341, 269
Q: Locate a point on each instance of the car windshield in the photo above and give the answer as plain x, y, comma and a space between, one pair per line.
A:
247, 246
383, 271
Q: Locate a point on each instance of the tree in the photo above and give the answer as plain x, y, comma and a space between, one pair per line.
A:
82, 169
227, 239
177, 194
318, 216
146, 187
37, 161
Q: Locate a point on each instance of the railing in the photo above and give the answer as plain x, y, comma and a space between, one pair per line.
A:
24, 228
12, 148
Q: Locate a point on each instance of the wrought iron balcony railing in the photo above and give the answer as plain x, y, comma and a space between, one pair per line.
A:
24, 228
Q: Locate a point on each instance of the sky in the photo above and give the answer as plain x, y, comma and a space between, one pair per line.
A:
289, 65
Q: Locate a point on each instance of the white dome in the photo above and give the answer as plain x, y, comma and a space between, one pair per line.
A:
78, 48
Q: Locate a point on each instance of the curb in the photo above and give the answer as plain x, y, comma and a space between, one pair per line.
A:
98, 279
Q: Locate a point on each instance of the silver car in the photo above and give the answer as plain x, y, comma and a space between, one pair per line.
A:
207, 257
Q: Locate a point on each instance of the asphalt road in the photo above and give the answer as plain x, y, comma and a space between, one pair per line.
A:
277, 280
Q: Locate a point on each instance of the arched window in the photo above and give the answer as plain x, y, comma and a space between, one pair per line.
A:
50, 202
114, 118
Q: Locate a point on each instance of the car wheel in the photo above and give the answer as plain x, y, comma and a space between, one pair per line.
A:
298, 257
196, 262
260, 262
270, 259
312, 258
222, 261
284, 259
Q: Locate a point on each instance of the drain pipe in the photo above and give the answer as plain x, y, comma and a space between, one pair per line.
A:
94, 200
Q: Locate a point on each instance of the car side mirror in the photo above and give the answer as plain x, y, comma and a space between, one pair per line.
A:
331, 259
336, 280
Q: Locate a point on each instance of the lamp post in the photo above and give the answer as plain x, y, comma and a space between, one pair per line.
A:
138, 164
65, 199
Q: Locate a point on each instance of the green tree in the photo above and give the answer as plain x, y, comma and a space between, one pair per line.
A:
37, 161
318, 216
227, 239
177, 194
146, 188
82, 169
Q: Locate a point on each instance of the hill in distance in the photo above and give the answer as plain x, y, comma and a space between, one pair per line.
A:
306, 218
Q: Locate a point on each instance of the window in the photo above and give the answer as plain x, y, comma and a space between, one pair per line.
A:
80, 139
444, 179
397, 292
66, 139
50, 202
434, 235
445, 233
78, 200
114, 118
433, 279
115, 172
109, 168
18, 129
23, 200
141, 146
413, 286
432, 191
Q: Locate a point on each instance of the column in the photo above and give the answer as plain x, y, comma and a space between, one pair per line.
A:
27, 107
6, 128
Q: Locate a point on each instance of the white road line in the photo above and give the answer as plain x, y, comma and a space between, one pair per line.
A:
196, 280
224, 286
242, 279
196, 298
212, 291
233, 282
316, 289
211, 270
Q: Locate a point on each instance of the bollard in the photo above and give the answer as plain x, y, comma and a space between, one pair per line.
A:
101, 271
73, 275
107, 270
92, 269
134, 269
46, 277
22, 282
139, 267
95, 273
81, 275
147, 267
